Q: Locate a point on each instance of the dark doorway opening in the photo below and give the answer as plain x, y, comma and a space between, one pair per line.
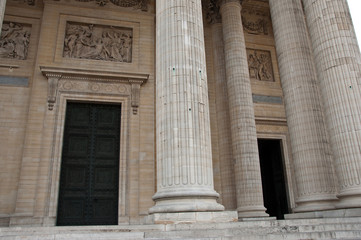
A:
273, 180
89, 177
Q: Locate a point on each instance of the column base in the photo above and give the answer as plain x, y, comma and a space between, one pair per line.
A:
316, 203
252, 212
192, 217
186, 205
349, 199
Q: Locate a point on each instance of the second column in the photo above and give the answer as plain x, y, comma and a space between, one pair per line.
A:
243, 125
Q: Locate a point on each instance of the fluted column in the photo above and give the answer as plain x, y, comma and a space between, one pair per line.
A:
243, 126
338, 59
2, 13
224, 131
184, 159
311, 152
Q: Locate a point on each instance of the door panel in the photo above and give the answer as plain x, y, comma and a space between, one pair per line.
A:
88, 193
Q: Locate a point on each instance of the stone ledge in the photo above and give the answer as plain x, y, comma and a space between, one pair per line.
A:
340, 213
192, 217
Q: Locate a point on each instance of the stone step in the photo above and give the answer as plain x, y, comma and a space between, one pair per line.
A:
79, 236
190, 236
299, 225
342, 228
246, 235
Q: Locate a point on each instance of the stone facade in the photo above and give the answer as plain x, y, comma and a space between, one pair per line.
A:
201, 84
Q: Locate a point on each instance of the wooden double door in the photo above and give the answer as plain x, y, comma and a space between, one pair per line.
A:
89, 178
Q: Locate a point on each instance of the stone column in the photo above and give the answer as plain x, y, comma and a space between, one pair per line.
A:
338, 59
224, 130
310, 146
2, 13
243, 126
184, 158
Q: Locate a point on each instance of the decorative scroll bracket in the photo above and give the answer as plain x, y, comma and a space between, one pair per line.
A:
54, 75
135, 94
53, 80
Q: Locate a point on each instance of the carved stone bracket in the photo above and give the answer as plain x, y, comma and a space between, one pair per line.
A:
54, 75
135, 94
53, 80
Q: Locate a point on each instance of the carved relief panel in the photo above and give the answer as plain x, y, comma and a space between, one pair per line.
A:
98, 42
260, 65
14, 40
256, 21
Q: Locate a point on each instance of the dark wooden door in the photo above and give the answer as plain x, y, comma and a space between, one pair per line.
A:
89, 178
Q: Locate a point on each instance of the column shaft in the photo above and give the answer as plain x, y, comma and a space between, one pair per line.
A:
184, 158
243, 126
224, 131
338, 58
311, 152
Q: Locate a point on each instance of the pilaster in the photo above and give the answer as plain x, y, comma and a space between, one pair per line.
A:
338, 58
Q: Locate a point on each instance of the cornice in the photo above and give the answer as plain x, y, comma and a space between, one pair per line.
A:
55, 74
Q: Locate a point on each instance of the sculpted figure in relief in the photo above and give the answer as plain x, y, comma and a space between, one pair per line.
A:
14, 41
260, 65
98, 42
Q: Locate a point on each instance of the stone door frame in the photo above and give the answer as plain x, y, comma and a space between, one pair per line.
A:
87, 86
288, 166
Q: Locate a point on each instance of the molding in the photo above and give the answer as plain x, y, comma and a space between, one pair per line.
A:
55, 74
10, 66
271, 121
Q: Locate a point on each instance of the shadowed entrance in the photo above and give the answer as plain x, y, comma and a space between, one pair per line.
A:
273, 181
